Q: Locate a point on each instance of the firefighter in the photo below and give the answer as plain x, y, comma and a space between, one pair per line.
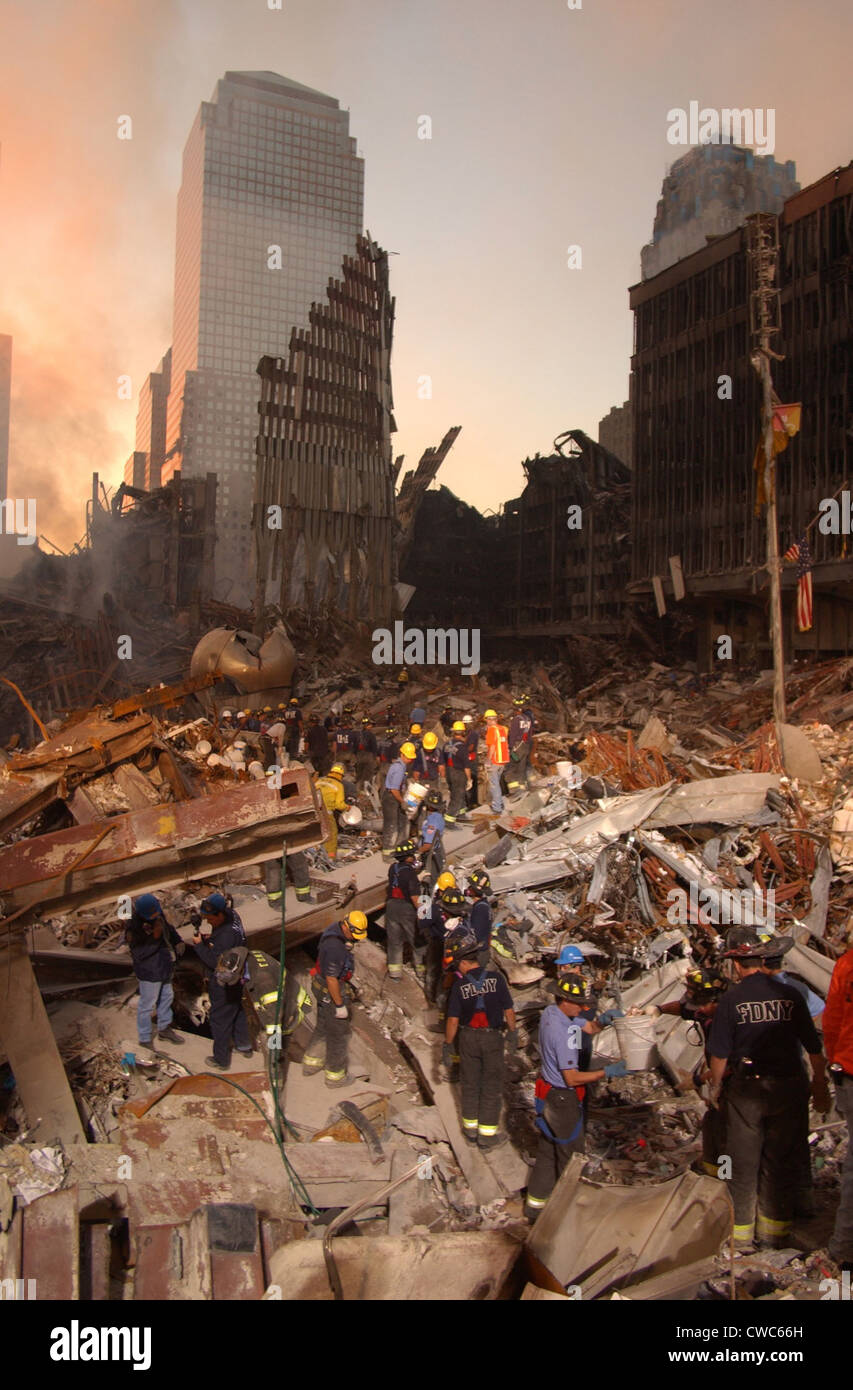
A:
433, 766
330, 982
332, 791
299, 870
317, 740
838, 1036
455, 756
757, 1075
479, 1009
446, 720
520, 739
401, 913
227, 1020
432, 834
366, 753
294, 723
472, 742
477, 889
276, 733
342, 739
416, 739
497, 757
699, 1004
435, 924
262, 987
394, 818
402, 676
561, 1087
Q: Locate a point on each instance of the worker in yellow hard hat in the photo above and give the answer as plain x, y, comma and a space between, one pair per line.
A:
454, 756
497, 756
394, 818
330, 982
331, 790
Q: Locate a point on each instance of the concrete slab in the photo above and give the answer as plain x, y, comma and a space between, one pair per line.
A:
458, 1265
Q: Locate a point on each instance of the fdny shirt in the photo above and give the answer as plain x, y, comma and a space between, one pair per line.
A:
763, 1020
476, 993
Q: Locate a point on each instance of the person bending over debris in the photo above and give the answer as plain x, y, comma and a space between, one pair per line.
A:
478, 1010
227, 1019
154, 945
330, 979
757, 1074
401, 913
561, 1087
394, 819
838, 1036
698, 1005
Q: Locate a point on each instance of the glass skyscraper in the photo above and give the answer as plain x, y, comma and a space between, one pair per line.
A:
268, 164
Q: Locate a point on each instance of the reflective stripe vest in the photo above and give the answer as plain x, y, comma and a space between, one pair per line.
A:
497, 744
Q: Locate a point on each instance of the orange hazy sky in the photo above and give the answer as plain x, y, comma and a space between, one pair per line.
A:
548, 129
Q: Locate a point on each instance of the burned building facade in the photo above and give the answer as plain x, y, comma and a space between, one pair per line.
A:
324, 515
697, 420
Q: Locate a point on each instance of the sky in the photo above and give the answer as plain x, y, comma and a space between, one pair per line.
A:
548, 130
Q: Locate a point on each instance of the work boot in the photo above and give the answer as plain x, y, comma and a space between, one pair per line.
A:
170, 1036
335, 1085
311, 1068
246, 1051
492, 1141
214, 1065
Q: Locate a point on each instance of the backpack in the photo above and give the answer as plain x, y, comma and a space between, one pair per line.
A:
230, 966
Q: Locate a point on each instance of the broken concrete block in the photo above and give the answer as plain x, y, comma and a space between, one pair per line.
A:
457, 1265
799, 754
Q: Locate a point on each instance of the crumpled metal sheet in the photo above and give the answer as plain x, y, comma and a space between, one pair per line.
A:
736, 800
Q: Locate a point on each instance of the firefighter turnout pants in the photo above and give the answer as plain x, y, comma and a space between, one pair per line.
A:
228, 1021
564, 1118
516, 771
456, 784
401, 925
763, 1117
394, 822
329, 1043
481, 1074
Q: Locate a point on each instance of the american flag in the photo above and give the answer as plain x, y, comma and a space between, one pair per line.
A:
800, 552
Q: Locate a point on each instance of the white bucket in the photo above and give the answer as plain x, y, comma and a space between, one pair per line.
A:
636, 1037
417, 790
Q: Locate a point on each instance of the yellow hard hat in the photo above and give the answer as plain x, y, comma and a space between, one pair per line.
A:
430, 741
357, 923
458, 727
338, 770
409, 751
445, 880
490, 714
415, 729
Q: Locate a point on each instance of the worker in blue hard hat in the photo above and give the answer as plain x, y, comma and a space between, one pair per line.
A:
570, 958
154, 947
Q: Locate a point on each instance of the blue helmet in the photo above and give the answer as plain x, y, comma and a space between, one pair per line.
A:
571, 955
147, 906
216, 902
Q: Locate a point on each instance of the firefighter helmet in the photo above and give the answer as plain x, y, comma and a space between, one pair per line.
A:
481, 883
573, 989
445, 880
452, 902
405, 849
704, 984
460, 944
338, 771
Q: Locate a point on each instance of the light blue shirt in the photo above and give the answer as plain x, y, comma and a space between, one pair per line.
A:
559, 1044
814, 1002
395, 776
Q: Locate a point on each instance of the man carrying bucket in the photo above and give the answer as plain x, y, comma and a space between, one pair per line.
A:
561, 1087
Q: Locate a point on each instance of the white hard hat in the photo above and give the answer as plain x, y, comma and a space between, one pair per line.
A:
256, 770
467, 719
204, 747
226, 714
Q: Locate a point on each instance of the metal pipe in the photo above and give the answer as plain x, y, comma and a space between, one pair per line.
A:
345, 1216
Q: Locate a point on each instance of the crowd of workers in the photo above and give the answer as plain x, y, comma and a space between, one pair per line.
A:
756, 1021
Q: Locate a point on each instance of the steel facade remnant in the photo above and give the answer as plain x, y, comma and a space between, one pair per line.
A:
324, 453
158, 846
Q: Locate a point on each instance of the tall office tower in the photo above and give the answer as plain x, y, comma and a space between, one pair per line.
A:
5, 399
151, 422
271, 200
707, 193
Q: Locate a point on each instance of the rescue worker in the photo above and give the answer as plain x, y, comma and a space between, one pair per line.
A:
757, 1075
332, 791
434, 922
497, 757
342, 739
433, 766
394, 818
299, 871
227, 1019
520, 739
455, 756
446, 720
431, 847
366, 753
838, 1038
401, 913
561, 1087
698, 1005
294, 723
450, 912
276, 733
571, 960
402, 676
317, 740
330, 982
249, 722
154, 946
472, 741
416, 740
226, 721
479, 1009
477, 889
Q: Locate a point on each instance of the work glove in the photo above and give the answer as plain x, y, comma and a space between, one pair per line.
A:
341, 1011
448, 1056
615, 1069
512, 1041
608, 1016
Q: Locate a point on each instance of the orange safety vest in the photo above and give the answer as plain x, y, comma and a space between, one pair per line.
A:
497, 743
